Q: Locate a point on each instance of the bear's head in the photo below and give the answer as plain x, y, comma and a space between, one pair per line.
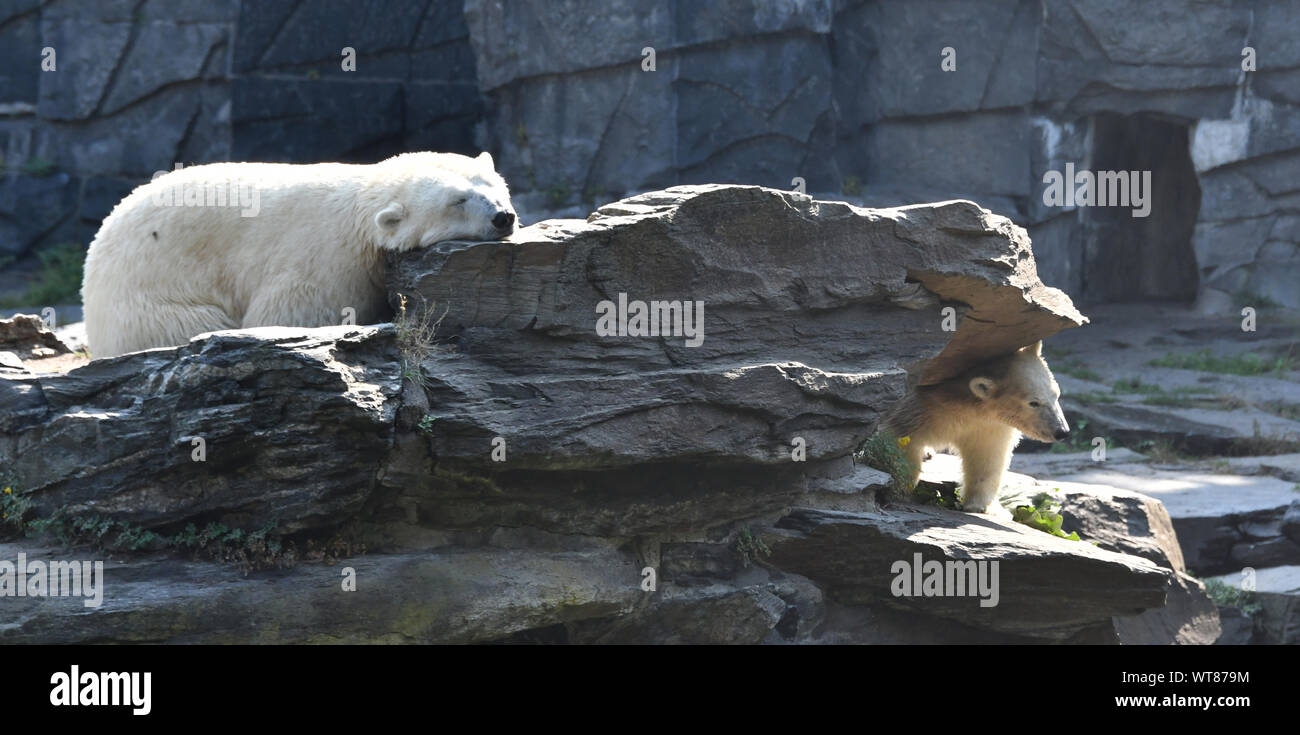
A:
1020, 391
423, 198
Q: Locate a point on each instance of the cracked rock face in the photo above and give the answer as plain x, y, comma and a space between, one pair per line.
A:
271, 425
812, 314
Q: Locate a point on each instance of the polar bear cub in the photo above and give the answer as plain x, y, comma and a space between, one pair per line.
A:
981, 414
282, 244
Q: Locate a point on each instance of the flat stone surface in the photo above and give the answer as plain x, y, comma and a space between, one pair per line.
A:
1213, 413
1196, 494
1282, 466
1046, 465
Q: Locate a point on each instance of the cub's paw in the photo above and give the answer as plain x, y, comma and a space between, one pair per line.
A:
996, 510
990, 508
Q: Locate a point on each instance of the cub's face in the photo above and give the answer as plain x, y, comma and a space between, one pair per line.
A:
1022, 393
444, 196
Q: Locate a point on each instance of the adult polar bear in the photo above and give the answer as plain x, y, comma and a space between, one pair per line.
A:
159, 272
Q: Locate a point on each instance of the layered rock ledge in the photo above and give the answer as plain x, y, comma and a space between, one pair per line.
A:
521, 477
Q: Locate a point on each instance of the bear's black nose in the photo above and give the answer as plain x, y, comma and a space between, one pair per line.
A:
503, 219
1062, 434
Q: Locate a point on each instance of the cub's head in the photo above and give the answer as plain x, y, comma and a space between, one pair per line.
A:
423, 198
1019, 389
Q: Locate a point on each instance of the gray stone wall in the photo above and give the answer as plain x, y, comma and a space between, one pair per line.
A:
141, 85
847, 95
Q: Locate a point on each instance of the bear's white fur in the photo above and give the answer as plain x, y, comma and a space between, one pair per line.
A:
981, 414
159, 272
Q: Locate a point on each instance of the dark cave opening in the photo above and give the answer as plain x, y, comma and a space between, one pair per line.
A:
1150, 258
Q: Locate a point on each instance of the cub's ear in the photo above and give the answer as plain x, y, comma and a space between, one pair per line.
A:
1035, 349
983, 387
391, 216
486, 158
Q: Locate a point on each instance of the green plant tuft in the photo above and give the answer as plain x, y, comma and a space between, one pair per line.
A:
882, 452
1246, 364
59, 280
1225, 595
416, 339
1044, 515
750, 547
1076, 369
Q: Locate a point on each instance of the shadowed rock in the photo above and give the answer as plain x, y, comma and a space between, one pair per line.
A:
272, 425
26, 336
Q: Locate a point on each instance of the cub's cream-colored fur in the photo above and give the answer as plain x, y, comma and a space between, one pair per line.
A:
982, 414
159, 272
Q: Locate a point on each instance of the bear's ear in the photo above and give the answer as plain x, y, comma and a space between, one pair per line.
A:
983, 387
391, 216
486, 158
1036, 349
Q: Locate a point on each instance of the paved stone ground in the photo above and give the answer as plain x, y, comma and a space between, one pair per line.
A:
1111, 388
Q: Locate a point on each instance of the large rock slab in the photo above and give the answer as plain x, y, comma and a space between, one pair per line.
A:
813, 311
1133, 523
1049, 587
1122, 521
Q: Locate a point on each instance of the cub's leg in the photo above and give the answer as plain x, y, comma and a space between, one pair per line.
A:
914, 452
985, 455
